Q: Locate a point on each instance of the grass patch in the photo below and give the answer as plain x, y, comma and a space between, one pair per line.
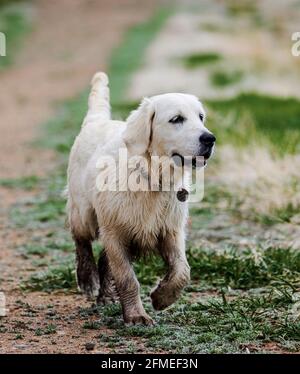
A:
221, 324
149, 270
15, 24
60, 277
46, 209
246, 270
47, 330
210, 27
91, 325
238, 8
210, 269
223, 78
281, 215
250, 118
24, 183
198, 59
231, 268
47, 247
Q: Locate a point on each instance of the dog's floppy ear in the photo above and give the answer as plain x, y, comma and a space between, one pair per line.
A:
138, 133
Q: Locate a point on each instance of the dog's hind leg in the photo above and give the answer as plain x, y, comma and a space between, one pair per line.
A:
172, 250
83, 235
86, 268
107, 293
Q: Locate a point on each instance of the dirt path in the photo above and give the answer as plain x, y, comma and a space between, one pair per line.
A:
71, 39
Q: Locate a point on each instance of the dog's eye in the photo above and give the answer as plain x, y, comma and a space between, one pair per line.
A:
177, 119
201, 117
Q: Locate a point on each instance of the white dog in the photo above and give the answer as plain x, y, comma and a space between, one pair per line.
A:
132, 222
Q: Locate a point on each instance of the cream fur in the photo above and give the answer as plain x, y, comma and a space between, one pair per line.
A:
125, 217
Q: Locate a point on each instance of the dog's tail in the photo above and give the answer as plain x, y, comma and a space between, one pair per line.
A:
99, 96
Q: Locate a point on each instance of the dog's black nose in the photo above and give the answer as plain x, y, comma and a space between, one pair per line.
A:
207, 139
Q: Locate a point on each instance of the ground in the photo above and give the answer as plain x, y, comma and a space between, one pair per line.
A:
243, 242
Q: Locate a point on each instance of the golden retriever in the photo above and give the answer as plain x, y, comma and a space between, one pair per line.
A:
129, 222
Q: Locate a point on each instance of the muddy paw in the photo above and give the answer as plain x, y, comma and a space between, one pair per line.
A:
88, 283
106, 299
161, 300
138, 319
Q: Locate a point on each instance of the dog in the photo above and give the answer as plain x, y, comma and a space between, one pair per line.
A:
131, 223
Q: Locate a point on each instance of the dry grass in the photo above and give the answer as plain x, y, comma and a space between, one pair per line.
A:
263, 183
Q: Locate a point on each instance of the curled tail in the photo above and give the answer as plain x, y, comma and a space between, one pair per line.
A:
99, 96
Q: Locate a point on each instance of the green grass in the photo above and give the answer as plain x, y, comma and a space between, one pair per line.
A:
223, 322
252, 118
15, 24
210, 269
44, 246
47, 330
39, 212
210, 27
59, 277
224, 78
282, 215
243, 302
238, 8
198, 59
91, 325
25, 183
231, 268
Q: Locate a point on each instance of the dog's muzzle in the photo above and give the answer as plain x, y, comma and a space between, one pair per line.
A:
207, 142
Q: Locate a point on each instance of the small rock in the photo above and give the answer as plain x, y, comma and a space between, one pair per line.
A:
21, 346
90, 346
51, 313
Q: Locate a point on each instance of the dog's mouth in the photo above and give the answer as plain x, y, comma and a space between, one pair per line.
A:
206, 155
196, 161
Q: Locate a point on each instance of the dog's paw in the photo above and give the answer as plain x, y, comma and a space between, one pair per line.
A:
138, 319
162, 299
88, 283
108, 293
106, 299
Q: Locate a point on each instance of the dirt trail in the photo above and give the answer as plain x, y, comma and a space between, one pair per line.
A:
71, 39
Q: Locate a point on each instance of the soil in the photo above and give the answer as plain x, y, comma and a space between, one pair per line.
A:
70, 41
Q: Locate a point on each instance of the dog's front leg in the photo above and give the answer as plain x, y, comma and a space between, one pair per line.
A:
125, 280
172, 249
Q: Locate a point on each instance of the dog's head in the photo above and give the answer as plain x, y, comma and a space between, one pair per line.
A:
169, 125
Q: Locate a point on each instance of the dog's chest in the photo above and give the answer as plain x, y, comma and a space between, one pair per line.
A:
149, 215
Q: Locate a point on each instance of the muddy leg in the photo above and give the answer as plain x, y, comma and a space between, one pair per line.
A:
87, 274
107, 293
126, 283
172, 250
